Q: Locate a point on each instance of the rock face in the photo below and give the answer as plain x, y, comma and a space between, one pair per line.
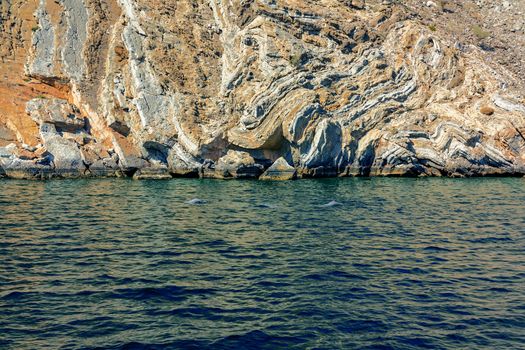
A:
214, 88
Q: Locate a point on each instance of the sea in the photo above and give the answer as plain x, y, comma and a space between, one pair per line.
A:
348, 263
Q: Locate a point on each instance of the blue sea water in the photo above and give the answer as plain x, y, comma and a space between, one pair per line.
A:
316, 264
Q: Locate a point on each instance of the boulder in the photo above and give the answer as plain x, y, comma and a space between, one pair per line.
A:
238, 165
66, 156
182, 164
104, 167
26, 169
280, 171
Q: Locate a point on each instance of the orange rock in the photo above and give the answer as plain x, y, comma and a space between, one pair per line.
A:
25, 154
487, 110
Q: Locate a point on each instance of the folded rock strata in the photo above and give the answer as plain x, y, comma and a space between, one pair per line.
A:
214, 88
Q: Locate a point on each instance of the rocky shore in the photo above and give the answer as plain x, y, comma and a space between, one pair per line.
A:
275, 90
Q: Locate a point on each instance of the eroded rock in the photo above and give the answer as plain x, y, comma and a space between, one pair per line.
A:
237, 165
280, 171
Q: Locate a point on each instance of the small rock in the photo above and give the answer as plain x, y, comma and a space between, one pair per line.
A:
196, 201
331, 204
487, 110
106, 167
26, 169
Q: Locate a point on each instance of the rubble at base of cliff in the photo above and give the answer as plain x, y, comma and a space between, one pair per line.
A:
14, 167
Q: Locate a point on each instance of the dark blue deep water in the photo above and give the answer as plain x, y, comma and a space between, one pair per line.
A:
399, 264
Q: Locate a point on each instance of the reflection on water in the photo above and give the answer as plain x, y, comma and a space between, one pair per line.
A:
399, 264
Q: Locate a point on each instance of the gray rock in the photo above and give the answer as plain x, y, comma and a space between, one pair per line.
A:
76, 16
8, 151
43, 42
152, 173
151, 102
321, 152
182, 164
280, 170
508, 105
196, 201
26, 169
131, 163
238, 165
106, 167
66, 156
57, 112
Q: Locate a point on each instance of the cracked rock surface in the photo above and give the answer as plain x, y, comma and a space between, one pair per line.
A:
226, 89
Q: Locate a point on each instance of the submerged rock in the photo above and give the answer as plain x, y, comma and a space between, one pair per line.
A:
331, 204
196, 201
152, 173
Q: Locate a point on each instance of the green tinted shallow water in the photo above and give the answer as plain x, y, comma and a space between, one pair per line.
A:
399, 264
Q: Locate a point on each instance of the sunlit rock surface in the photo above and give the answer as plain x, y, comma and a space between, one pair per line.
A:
154, 89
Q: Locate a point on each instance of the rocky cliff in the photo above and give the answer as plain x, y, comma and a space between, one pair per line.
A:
216, 88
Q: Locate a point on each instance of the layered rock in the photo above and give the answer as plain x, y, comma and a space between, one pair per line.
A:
280, 171
154, 89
